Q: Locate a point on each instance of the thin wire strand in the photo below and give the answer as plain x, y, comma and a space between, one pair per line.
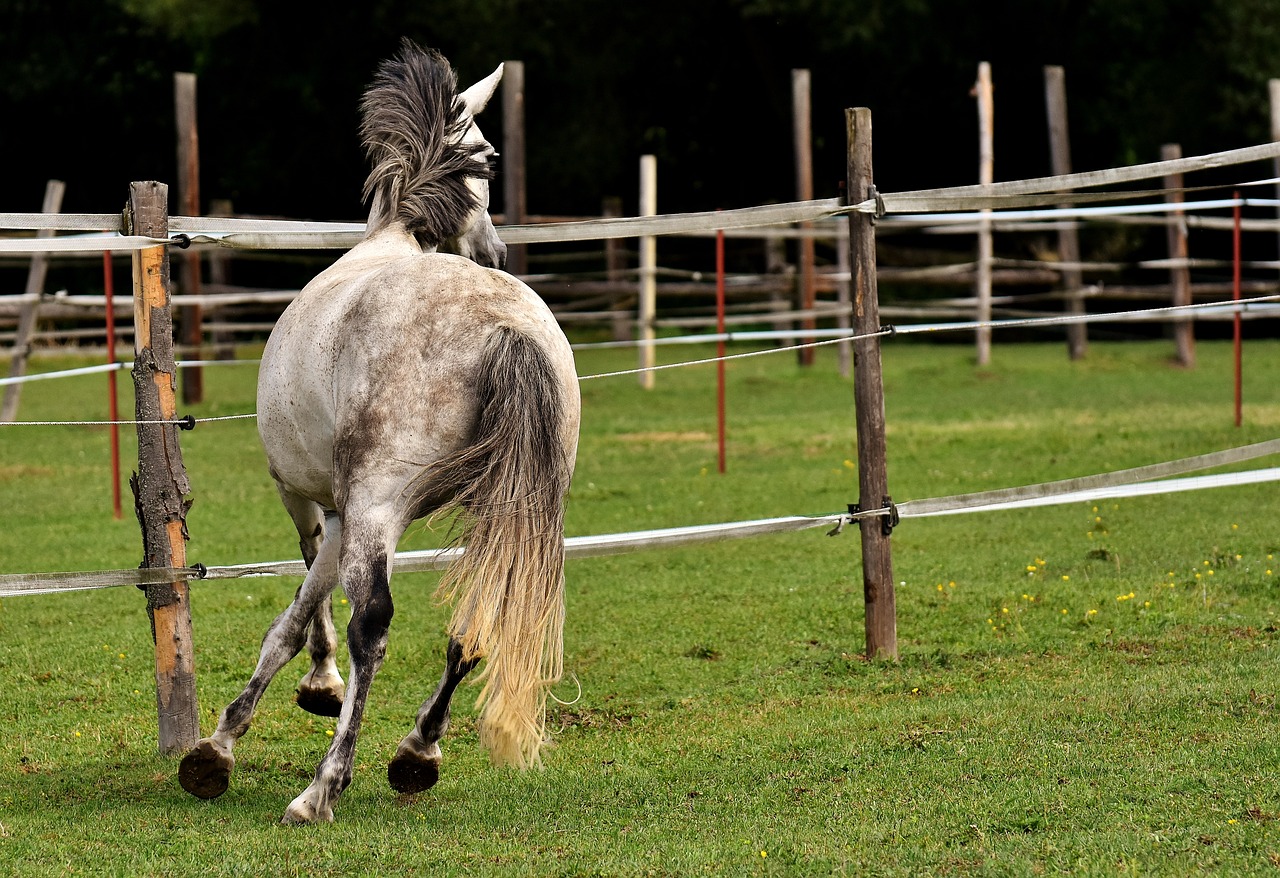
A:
178, 421
1057, 320
743, 356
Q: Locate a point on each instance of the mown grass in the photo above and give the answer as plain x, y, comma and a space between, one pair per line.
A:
1082, 689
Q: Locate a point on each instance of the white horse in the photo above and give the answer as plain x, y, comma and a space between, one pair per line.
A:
400, 382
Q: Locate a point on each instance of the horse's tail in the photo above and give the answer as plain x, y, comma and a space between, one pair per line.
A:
412, 127
508, 583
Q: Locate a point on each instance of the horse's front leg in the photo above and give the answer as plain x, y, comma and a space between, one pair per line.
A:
205, 771
365, 571
416, 765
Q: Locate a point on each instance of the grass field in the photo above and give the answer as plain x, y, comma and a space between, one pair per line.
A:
1082, 689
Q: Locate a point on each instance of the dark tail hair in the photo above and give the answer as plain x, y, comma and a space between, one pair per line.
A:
509, 582
412, 123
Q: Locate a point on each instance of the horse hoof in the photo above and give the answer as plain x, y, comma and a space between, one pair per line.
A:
409, 773
301, 812
206, 771
321, 702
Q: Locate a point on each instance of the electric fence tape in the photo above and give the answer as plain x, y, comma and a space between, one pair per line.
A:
1121, 483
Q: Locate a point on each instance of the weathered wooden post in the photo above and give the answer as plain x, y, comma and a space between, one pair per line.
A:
648, 270
868, 398
36, 274
160, 485
1273, 96
1179, 273
803, 132
514, 195
614, 267
192, 322
1055, 94
983, 91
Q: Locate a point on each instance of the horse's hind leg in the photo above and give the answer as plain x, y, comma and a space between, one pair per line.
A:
367, 549
416, 765
205, 771
321, 690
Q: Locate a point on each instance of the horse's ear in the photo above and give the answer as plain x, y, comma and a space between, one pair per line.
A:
477, 97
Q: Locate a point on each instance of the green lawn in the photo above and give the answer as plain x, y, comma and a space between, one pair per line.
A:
1084, 689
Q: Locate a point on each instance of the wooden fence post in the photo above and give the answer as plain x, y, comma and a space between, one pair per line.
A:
36, 275
868, 397
1273, 97
615, 267
802, 129
983, 91
1055, 94
648, 269
514, 195
1179, 273
160, 486
192, 320
222, 338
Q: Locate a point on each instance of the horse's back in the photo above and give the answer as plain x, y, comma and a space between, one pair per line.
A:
369, 373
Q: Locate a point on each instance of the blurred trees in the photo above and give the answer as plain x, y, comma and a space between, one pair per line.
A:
87, 90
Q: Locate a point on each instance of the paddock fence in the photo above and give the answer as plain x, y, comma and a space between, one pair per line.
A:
877, 515
609, 297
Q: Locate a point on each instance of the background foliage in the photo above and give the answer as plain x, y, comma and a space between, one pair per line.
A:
86, 90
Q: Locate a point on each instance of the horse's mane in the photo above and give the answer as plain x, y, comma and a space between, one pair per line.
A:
412, 124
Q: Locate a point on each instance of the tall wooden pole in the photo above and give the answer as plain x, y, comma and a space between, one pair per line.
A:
803, 130
192, 321
868, 397
614, 267
648, 270
1179, 273
1236, 329
1055, 98
514, 196
986, 174
160, 486
1273, 93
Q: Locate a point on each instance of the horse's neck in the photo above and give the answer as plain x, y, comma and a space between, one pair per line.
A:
383, 226
379, 216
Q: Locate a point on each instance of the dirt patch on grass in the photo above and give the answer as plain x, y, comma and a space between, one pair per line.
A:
14, 472
588, 718
667, 436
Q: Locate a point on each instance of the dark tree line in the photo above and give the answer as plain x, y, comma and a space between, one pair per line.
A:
87, 90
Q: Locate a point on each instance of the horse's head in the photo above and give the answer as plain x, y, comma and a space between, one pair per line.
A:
479, 241
430, 163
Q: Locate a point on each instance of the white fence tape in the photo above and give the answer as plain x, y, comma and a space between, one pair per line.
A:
1167, 486
1123, 483
79, 243
1256, 306
282, 234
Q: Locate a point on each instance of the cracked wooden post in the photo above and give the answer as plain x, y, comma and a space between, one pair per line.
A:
868, 398
160, 485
